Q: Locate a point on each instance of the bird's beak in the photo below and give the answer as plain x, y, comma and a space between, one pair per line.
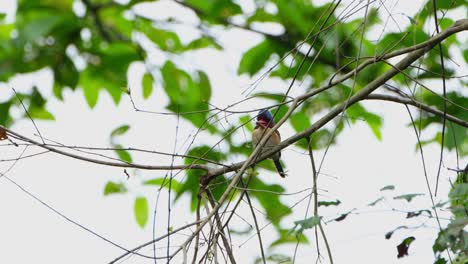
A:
262, 122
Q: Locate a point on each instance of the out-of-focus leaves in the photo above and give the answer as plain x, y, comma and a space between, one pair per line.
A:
120, 130
106, 73
114, 188
286, 236
248, 122
275, 258
122, 153
329, 203
404, 246
255, 58
374, 121
141, 211
187, 94
408, 197
389, 234
308, 223
343, 216
459, 199
418, 213
300, 121
5, 118
192, 183
388, 187
164, 182
268, 195
164, 39
376, 201
261, 15
147, 84
201, 43
215, 10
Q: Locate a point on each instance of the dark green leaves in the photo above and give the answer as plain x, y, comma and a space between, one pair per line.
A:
388, 187
329, 203
404, 246
109, 72
141, 211
408, 197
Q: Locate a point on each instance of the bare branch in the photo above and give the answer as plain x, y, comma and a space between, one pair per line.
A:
408, 101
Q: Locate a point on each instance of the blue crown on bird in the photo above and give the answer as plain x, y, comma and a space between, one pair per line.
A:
265, 118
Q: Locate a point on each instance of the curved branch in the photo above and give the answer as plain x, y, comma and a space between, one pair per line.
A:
407, 101
415, 54
101, 162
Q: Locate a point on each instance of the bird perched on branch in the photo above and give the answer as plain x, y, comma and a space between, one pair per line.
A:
264, 124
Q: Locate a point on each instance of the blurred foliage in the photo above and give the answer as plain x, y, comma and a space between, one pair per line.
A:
91, 50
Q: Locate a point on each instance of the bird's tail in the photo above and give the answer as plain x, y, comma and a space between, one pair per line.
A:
279, 168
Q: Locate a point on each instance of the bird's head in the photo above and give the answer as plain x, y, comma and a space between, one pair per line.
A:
265, 118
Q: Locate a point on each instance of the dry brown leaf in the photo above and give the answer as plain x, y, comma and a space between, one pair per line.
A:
3, 134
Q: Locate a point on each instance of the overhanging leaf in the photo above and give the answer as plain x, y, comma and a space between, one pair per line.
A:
307, 223
120, 130
404, 246
388, 187
141, 211
407, 197
147, 83
114, 187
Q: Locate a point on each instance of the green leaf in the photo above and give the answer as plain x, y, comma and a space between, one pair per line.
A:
268, 195
300, 121
90, 87
40, 113
166, 40
39, 24
374, 121
286, 236
307, 223
201, 43
120, 130
247, 121
388, 187
113, 188
164, 182
329, 203
376, 201
123, 154
255, 58
407, 197
141, 211
147, 83
275, 258
192, 183
5, 118
187, 94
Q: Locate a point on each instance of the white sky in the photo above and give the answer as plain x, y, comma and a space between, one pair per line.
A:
356, 168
